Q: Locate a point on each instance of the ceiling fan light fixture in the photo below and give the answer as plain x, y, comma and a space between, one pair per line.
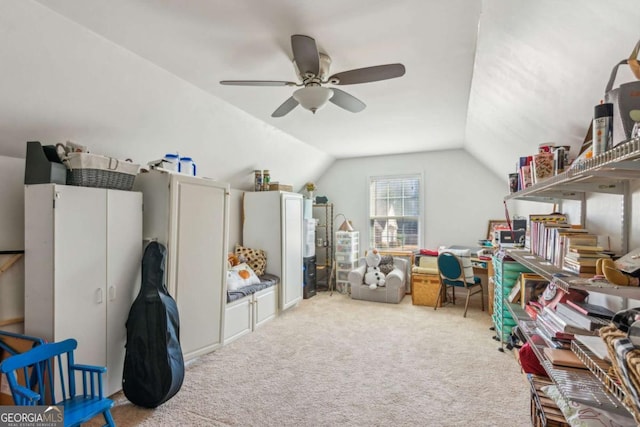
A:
313, 98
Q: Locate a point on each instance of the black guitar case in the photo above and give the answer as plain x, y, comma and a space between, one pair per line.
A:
153, 363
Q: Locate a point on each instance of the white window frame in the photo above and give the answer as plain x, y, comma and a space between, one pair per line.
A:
419, 218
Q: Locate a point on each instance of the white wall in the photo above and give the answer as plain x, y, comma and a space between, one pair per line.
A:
540, 68
460, 195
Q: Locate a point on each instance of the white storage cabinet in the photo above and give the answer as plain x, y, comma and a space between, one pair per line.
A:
273, 223
246, 314
83, 251
190, 216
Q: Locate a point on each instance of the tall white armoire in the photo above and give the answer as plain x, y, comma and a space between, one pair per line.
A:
273, 222
190, 216
83, 253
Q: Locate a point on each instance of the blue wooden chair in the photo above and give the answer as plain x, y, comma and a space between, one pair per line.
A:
30, 376
455, 275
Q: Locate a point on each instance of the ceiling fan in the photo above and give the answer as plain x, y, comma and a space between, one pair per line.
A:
312, 68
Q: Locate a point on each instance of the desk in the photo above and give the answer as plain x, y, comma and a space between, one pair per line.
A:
481, 269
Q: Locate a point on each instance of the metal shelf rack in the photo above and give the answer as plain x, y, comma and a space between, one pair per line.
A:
592, 386
324, 251
609, 173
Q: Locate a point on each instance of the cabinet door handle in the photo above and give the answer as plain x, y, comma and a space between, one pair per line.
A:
99, 296
112, 293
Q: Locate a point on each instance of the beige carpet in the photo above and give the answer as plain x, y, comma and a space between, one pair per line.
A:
334, 361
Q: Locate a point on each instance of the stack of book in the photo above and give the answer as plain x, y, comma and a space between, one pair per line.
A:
560, 326
581, 259
540, 232
525, 178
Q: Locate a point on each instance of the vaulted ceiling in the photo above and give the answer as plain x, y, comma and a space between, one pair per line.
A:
495, 77
204, 42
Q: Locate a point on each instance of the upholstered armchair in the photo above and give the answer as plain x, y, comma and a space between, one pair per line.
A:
392, 292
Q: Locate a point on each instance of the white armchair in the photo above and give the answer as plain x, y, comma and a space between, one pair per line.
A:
395, 283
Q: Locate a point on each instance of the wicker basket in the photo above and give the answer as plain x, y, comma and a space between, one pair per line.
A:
630, 380
424, 289
92, 170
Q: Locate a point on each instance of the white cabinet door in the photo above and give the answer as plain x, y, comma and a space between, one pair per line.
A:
124, 259
197, 255
84, 248
292, 280
80, 251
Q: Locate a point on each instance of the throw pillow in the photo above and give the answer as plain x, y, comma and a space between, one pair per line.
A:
255, 258
386, 264
465, 257
241, 275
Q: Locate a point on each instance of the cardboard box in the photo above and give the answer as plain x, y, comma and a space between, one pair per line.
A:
276, 186
18, 344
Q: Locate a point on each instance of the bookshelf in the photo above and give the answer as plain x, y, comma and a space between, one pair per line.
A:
612, 173
579, 385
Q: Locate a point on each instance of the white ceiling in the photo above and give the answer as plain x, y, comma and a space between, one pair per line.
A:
205, 41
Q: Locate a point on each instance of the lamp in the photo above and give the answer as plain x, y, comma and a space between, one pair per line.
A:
346, 225
313, 97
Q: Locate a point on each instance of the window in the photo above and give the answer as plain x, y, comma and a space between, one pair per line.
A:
394, 212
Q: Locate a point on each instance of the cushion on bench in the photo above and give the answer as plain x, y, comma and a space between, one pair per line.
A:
266, 281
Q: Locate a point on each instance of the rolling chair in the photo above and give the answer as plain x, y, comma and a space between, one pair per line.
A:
453, 273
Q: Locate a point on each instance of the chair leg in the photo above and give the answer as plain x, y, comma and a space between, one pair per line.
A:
482, 297
439, 298
108, 418
466, 304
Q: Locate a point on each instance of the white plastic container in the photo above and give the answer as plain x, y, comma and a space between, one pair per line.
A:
187, 166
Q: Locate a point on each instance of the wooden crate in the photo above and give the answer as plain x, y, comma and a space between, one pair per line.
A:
544, 411
425, 289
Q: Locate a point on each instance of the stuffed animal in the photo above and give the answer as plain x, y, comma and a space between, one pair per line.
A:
374, 277
232, 260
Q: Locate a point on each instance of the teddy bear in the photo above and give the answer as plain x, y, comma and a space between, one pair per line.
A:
374, 277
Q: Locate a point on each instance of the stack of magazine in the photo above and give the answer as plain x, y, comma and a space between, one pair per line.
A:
560, 326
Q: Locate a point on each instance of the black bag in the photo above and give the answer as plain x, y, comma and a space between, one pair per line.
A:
153, 363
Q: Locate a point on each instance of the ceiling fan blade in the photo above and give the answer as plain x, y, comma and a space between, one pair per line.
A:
286, 106
348, 102
256, 83
305, 53
368, 74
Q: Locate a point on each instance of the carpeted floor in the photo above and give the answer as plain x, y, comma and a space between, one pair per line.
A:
334, 361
